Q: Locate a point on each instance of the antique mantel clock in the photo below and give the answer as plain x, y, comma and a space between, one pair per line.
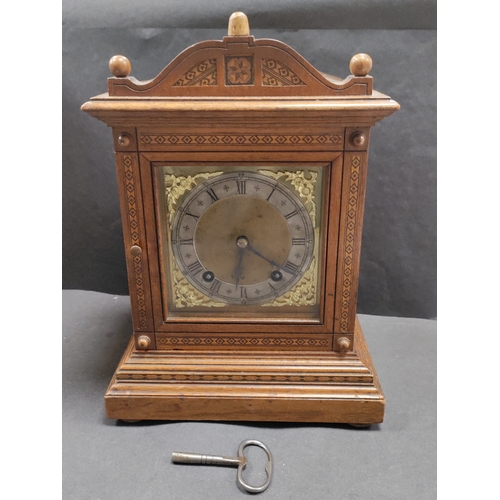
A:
242, 174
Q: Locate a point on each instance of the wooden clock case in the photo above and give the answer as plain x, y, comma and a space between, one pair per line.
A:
244, 100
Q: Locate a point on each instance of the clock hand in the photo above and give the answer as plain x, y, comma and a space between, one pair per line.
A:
256, 252
237, 272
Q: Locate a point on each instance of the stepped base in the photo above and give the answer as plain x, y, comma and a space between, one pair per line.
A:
324, 387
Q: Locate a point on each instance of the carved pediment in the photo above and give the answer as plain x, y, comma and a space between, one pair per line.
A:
240, 66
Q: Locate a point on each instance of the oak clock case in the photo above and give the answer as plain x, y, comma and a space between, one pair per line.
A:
242, 173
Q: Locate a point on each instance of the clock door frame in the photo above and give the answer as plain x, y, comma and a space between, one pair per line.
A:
189, 332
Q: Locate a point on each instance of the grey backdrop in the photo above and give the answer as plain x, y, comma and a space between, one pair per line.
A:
398, 261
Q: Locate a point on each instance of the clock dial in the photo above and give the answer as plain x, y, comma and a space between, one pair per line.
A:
242, 238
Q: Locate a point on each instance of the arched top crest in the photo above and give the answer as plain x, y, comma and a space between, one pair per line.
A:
239, 67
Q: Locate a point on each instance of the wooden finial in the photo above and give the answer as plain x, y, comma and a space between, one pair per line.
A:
361, 64
120, 66
238, 25
143, 341
343, 343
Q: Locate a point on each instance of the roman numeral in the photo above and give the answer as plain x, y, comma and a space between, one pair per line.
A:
195, 267
214, 288
193, 216
290, 267
298, 241
242, 186
243, 292
268, 198
212, 194
290, 215
186, 242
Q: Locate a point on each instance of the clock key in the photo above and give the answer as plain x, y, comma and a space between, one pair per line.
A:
240, 461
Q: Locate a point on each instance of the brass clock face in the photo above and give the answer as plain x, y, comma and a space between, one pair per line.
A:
242, 238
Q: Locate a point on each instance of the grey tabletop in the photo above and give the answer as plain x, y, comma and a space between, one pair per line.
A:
106, 459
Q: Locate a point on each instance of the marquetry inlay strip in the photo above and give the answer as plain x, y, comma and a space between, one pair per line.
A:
350, 235
133, 218
276, 74
239, 139
199, 340
244, 378
202, 74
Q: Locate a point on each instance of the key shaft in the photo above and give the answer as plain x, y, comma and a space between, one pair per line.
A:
198, 458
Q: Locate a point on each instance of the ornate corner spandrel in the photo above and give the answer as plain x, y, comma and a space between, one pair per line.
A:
185, 294
177, 185
304, 187
303, 293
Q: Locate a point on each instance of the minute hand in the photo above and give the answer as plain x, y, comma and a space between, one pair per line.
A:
256, 252
238, 267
